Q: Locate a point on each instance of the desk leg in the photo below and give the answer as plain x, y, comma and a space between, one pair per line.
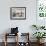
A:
17, 40
5, 40
5, 43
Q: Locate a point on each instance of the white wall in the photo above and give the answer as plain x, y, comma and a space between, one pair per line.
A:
24, 25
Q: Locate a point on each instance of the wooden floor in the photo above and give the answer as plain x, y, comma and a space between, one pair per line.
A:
13, 44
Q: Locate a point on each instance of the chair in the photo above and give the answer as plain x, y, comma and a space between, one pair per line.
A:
25, 37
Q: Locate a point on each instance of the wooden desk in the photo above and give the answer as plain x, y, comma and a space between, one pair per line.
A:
17, 43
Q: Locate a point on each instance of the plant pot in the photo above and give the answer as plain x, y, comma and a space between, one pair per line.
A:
40, 41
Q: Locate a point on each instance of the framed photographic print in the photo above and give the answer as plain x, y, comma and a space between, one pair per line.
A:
18, 13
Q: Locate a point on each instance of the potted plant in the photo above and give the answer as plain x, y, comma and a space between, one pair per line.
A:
39, 35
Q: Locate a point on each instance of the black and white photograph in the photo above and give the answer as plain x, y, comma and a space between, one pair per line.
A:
17, 13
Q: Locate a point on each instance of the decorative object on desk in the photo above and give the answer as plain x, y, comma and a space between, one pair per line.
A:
14, 30
17, 13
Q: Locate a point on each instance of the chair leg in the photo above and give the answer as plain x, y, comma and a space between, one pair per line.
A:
5, 43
